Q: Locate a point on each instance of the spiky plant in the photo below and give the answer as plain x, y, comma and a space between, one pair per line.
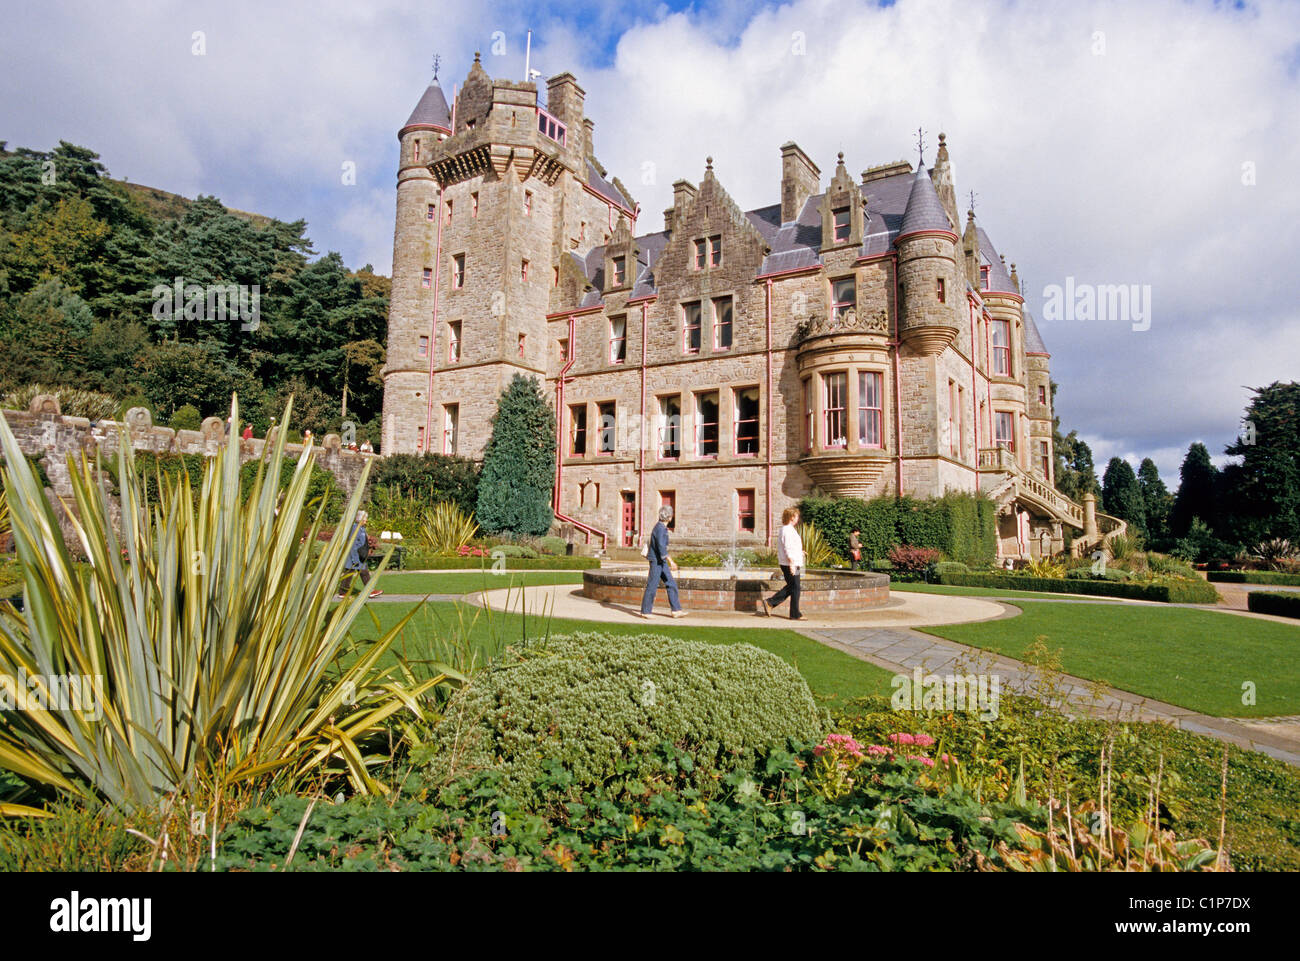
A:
208, 625
73, 401
816, 549
447, 528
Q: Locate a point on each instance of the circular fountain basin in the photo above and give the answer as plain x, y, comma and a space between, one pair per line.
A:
713, 589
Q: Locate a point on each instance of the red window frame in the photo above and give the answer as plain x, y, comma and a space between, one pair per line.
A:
941, 289
835, 389
1001, 352
809, 414
707, 432
745, 510
842, 227
415, 151
701, 253
839, 306
1044, 459
617, 339
523, 342
608, 434
619, 265
719, 326
474, 210
551, 127
669, 499
1007, 440
952, 418
577, 430
670, 428
1042, 395
691, 331
426, 280
450, 427
523, 271
984, 278
453, 342
871, 409
715, 250
745, 428
458, 272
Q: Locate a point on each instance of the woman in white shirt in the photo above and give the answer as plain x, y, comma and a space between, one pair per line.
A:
789, 554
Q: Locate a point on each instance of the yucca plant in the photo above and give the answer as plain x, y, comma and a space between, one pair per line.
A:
817, 552
73, 401
1046, 567
447, 528
209, 625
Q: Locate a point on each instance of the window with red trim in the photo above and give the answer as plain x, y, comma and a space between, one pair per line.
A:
1001, 331
834, 402
706, 424
842, 225
745, 510
1004, 429
722, 313
450, 423
870, 408
745, 403
670, 427
578, 430
844, 296
691, 328
453, 342
608, 425
617, 339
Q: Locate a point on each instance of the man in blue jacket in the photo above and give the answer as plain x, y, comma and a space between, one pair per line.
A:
357, 554
661, 566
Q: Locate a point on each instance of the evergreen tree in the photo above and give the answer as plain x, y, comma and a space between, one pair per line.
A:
514, 492
1157, 500
1197, 494
1261, 498
1121, 495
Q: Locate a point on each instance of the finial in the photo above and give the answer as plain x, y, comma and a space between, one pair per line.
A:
476, 56
841, 158
920, 144
972, 204
709, 161
943, 138
436, 60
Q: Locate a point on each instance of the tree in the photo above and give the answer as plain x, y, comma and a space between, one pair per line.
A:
514, 492
1121, 495
1261, 497
1197, 496
1157, 500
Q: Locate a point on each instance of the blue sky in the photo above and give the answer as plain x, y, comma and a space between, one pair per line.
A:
1150, 143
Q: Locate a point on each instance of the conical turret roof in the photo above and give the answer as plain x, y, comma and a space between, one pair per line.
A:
924, 209
430, 112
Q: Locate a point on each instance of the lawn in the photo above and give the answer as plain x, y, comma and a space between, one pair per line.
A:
466, 582
1196, 659
832, 675
984, 592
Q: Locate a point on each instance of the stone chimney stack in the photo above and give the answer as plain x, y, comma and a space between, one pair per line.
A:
800, 179
589, 128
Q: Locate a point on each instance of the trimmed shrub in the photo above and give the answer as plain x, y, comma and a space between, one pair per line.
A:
962, 527
554, 545
418, 560
513, 550
1169, 592
950, 567
877, 520
1255, 577
912, 560
514, 491
1274, 602
591, 701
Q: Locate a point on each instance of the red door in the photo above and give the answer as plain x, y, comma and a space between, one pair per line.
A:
629, 519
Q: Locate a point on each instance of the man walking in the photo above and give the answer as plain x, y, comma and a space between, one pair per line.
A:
855, 548
661, 566
789, 554
358, 553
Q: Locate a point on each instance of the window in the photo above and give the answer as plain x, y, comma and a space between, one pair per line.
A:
952, 418
1044, 459
701, 252
809, 415
447, 218
842, 225
691, 328
722, 323
745, 401
523, 271
430, 213
474, 204
415, 150
419, 438
555, 276
834, 389
424, 346
450, 421
578, 430
564, 349
715, 251
984, 278
941, 291
1042, 395
870, 409
706, 424
1004, 429
670, 427
427, 280
523, 341
844, 296
669, 499
458, 271
607, 427
528, 203
620, 270
617, 339
1001, 347
745, 510
453, 342
550, 127
961, 421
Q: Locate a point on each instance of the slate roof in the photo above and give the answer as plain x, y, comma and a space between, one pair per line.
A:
924, 210
431, 111
605, 188
999, 279
1033, 339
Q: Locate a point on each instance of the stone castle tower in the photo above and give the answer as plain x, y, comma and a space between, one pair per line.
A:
850, 339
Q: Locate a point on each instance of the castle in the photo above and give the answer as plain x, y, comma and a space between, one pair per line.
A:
855, 339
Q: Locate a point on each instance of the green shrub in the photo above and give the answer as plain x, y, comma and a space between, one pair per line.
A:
877, 521
950, 567
1280, 603
1255, 577
447, 528
1162, 564
322, 487
513, 550
427, 479
554, 545
591, 700
73, 401
1166, 591
818, 553
187, 417
962, 527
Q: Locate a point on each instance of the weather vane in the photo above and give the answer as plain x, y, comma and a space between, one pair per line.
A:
920, 143
436, 60
972, 201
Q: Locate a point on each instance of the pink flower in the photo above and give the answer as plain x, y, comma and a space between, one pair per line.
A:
877, 750
902, 739
923, 740
945, 758
927, 761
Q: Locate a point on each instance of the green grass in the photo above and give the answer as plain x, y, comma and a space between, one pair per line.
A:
1195, 659
832, 675
979, 591
466, 582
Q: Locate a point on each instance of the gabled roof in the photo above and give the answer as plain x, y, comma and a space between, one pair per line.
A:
431, 111
924, 208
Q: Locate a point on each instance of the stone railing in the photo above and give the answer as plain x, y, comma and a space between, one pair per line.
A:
1032, 487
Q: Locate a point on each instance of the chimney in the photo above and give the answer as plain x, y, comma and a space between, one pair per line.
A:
589, 129
684, 192
564, 100
668, 219
800, 179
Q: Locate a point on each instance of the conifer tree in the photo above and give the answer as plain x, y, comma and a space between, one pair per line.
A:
1197, 495
1121, 495
514, 491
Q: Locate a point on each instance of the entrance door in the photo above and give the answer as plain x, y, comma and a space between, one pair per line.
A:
629, 519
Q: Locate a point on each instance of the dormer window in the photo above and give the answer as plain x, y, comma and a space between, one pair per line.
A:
842, 225
620, 271
984, 278
844, 296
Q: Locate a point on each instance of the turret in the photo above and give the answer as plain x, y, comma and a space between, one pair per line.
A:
927, 270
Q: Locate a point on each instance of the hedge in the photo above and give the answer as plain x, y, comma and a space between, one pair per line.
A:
416, 561
1169, 592
960, 526
1274, 602
1255, 577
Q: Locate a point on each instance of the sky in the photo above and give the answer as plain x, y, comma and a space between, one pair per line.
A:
1151, 143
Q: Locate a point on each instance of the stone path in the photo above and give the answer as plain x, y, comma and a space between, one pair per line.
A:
903, 650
